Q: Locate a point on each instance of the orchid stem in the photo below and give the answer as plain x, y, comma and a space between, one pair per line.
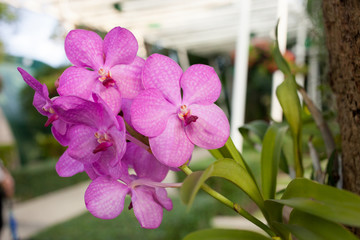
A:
236, 207
138, 142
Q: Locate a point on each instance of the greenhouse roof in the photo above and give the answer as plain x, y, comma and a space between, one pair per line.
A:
203, 27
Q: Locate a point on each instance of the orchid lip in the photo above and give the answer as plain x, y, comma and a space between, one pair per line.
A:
51, 119
106, 78
185, 115
102, 147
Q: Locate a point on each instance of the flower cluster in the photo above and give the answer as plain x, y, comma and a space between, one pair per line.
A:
116, 111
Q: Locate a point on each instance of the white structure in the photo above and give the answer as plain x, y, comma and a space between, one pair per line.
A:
202, 27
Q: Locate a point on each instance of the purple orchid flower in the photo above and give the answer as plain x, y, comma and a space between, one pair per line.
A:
105, 196
43, 105
175, 122
97, 137
107, 67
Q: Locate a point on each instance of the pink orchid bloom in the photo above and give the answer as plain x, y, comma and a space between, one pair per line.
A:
67, 166
107, 67
43, 105
96, 136
105, 196
173, 122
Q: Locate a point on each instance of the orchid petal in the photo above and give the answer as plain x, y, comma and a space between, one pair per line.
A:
40, 103
211, 130
126, 110
76, 110
118, 137
107, 115
172, 147
59, 130
104, 166
67, 166
105, 197
163, 73
120, 47
144, 163
82, 144
77, 81
162, 198
147, 211
150, 112
128, 77
84, 49
41, 97
200, 84
31, 81
110, 95
89, 169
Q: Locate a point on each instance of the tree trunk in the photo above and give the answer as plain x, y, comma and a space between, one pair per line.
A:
342, 29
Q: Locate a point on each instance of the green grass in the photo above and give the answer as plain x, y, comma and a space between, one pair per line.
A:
36, 180
175, 225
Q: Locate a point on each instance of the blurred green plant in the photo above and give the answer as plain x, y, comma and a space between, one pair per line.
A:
305, 209
175, 226
30, 180
8, 15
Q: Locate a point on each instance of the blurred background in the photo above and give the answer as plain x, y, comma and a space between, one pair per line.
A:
234, 36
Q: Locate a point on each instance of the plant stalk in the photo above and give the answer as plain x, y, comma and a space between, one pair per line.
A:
236, 207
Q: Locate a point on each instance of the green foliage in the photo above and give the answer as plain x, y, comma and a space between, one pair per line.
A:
175, 225
229, 151
7, 152
225, 234
6, 13
290, 103
313, 210
224, 168
30, 180
323, 201
305, 226
254, 131
270, 158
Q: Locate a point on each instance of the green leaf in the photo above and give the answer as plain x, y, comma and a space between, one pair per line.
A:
278, 57
229, 170
216, 153
332, 174
287, 95
186, 190
283, 164
306, 226
225, 234
257, 127
229, 151
275, 218
324, 201
288, 155
270, 157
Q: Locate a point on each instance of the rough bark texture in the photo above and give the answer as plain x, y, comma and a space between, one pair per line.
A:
342, 29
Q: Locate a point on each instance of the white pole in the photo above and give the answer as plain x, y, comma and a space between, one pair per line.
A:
241, 70
313, 76
300, 50
276, 111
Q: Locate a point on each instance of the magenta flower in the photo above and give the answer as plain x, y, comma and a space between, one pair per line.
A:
105, 196
108, 67
43, 105
67, 166
175, 122
96, 136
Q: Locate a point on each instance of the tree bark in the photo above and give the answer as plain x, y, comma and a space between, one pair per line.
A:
342, 31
